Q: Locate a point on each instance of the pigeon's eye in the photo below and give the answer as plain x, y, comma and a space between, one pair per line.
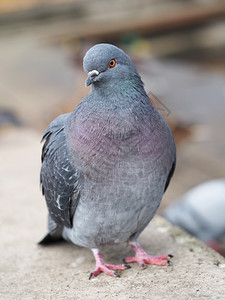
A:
112, 63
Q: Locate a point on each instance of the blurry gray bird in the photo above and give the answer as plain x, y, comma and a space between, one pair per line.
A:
201, 213
106, 165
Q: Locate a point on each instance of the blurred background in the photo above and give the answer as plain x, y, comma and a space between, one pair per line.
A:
178, 48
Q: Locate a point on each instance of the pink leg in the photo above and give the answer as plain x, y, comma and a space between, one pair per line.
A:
142, 258
108, 269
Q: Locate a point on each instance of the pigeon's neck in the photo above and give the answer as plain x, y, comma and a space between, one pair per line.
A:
117, 89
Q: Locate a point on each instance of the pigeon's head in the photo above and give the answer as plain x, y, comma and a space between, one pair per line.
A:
107, 64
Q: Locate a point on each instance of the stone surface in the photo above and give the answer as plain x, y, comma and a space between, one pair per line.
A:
29, 271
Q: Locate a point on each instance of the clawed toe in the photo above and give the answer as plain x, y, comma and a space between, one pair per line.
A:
169, 262
127, 266
142, 258
108, 269
105, 270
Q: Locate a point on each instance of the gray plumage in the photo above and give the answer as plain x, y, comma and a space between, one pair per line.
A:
201, 211
106, 165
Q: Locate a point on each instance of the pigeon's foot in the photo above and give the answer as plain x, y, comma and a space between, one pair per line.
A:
142, 258
108, 269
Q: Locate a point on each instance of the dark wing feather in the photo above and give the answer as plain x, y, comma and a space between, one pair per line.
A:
170, 175
59, 179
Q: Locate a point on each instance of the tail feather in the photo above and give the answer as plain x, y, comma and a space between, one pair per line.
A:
54, 234
50, 239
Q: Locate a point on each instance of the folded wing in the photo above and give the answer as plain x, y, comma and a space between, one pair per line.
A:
59, 178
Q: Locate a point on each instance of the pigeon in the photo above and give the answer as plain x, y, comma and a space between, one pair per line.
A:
107, 164
200, 212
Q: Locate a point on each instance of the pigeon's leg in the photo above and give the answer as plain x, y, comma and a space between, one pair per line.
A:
108, 269
142, 258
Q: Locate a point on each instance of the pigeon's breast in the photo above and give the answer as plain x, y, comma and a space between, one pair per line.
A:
102, 141
99, 143
125, 163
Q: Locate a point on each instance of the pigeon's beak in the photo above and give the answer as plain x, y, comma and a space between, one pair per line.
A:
91, 77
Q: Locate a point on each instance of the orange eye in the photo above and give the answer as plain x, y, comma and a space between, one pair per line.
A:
112, 63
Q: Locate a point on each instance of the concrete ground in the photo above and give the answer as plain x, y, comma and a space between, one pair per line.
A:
29, 271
